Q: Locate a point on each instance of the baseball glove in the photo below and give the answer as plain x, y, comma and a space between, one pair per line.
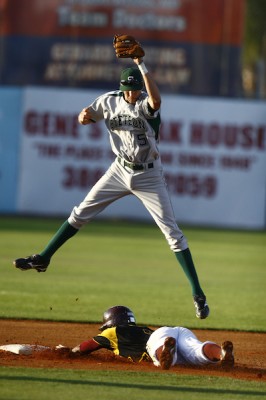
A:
127, 47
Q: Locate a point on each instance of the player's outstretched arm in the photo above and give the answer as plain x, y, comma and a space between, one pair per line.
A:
87, 347
150, 84
127, 46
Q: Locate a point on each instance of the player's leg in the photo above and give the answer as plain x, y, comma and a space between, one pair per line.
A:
166, 353
162, 347
153, 193
196, 352
108, 189
192, 349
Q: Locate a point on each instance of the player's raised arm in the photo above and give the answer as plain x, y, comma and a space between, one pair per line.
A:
150, 84
127, 46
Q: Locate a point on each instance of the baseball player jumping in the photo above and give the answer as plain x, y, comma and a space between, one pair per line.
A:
132, 119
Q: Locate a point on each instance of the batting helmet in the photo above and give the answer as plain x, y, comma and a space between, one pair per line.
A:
117, 315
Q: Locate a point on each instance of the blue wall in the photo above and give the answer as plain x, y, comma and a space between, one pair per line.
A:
10, 120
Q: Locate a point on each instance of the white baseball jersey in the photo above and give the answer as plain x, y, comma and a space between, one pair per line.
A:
131, 135
137, 170
188, 347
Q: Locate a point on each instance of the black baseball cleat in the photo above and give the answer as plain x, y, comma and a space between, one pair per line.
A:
202, 308
227, 355
168, 351
32, 262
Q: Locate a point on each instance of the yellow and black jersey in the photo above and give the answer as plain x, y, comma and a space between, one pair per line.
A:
126, 341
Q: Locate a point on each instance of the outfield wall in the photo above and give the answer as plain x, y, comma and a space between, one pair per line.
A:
213, 151
10, 134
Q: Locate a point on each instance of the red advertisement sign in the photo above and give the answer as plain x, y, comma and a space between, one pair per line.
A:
191, 21
194, 44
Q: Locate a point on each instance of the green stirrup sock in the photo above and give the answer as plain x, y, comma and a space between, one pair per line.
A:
185, 259
65, 232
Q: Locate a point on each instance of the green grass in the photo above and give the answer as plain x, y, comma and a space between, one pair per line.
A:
42, 384
112, 262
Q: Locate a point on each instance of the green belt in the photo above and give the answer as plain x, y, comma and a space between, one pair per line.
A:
135, 167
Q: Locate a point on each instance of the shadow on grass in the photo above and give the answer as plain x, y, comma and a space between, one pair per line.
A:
51, 224
134, 386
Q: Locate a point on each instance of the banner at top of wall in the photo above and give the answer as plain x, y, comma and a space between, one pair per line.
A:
192, 47
198, 21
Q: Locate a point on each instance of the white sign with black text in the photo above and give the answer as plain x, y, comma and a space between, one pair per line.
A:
213, 152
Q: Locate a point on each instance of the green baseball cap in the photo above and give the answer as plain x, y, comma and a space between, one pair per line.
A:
131, 79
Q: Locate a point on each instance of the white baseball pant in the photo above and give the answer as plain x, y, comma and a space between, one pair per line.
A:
148, 186
189, 350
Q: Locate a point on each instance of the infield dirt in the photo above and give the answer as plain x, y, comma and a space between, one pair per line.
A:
250, 350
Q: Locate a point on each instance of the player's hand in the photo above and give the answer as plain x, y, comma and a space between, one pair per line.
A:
85, 117
138, 61
76, 349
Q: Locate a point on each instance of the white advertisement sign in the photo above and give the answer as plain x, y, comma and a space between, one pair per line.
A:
213, 152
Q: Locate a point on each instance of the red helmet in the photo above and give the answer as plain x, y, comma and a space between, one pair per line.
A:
117, 315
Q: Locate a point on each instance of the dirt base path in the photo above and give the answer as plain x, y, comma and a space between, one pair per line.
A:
250, 350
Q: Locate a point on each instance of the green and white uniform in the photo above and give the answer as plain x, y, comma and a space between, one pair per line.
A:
137, 169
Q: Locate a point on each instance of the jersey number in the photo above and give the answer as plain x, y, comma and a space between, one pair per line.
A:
142, 140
